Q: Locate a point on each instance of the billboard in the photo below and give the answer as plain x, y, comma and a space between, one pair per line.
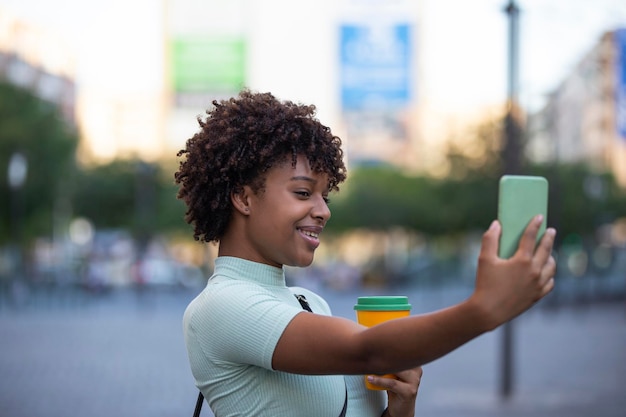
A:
375, 62
205, 63
620, 72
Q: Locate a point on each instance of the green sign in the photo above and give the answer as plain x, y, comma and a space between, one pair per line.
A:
207, 63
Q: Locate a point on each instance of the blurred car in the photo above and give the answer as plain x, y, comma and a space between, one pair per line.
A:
164, 272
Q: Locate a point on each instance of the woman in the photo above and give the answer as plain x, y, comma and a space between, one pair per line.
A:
256, 178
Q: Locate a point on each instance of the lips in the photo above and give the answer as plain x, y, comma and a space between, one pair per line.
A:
311, 234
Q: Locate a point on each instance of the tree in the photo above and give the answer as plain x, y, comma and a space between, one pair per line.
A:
130, 194
382, 198
581, 200
36, 129
105, 194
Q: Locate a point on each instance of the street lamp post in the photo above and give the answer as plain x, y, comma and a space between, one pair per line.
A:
17, 171
512, 165
512, 141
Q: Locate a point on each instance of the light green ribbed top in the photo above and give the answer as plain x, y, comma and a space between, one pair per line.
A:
231, 329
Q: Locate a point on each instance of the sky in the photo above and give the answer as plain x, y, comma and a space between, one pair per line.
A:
114, 42
553, 36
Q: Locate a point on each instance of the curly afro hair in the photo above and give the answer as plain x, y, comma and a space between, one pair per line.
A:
238, 141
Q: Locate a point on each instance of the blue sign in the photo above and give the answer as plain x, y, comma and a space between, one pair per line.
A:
375, 66
620, 71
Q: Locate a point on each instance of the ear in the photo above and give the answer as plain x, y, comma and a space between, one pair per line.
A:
240, 199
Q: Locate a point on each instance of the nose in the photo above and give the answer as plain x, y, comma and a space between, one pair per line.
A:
320, 210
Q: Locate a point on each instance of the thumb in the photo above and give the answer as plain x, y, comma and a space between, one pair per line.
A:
491, 239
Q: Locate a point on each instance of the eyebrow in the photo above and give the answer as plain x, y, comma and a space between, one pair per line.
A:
303, 178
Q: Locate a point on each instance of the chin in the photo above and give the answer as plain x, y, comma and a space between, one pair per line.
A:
301, 263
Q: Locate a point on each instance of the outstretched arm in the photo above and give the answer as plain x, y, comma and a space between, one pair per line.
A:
314, 344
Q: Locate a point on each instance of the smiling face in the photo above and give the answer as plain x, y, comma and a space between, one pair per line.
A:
281, 223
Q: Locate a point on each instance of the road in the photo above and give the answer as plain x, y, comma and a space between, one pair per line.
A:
122, 354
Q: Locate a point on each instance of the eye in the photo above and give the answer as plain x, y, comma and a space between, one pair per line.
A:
326, 199
303, 194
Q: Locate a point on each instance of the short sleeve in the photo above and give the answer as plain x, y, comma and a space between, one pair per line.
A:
239, 323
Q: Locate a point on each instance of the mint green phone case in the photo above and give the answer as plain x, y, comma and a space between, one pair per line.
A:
520, 198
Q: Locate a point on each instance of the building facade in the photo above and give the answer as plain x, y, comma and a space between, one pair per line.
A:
38, 61
580, 121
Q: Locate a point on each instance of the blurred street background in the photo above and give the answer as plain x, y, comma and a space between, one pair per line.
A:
123, 354
434, 100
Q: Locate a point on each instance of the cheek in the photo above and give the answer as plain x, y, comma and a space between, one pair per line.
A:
271, 224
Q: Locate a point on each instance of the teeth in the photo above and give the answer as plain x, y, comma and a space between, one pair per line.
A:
315, 235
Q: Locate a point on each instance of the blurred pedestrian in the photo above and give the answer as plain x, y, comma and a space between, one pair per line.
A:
256, 178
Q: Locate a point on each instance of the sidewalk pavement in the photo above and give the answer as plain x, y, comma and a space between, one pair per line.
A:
123, 355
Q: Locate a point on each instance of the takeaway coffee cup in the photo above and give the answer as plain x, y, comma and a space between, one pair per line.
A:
373, 310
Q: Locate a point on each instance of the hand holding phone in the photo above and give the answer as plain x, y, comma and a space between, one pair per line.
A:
508, 285
520, 198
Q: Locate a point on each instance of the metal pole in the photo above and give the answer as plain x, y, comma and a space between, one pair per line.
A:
512, 165
513, 14
16, 174
512, 149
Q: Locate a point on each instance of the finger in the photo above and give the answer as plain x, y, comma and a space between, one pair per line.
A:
491, 237
547, 288
402, 388
548, 271
544, 250
546, 279
529, 238
389, 384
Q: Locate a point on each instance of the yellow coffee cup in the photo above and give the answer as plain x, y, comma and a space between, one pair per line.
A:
373, 310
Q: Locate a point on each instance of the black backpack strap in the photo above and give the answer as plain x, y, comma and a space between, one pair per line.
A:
196, 412
345, 405
303, 302
305, 305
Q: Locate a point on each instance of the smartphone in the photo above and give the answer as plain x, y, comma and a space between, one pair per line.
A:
520, 198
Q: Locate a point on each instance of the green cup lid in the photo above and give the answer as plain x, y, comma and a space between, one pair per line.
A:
383, 303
